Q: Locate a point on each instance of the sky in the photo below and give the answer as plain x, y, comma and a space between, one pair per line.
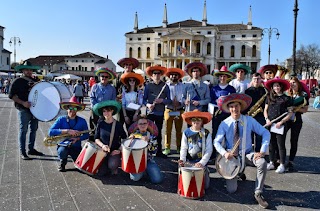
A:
70, 27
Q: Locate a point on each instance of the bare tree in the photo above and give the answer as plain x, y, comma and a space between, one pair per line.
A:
308, 59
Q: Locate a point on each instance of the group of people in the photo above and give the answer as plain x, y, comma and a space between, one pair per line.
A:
255, 115
4, 85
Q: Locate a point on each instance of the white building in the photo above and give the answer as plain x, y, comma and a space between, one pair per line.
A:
177, 44
4, 54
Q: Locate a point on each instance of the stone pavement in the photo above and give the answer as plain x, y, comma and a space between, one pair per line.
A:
37, 185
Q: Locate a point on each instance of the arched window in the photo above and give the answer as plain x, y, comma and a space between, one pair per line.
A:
148, 53
232, 51
209, 48
254, 51
243, 51
139, 52
198, 48
159, 49
221, 51
130, 52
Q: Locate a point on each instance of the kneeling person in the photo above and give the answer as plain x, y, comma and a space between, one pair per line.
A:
196, 142
71, 125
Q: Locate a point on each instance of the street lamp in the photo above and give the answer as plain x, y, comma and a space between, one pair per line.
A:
295, 14
270, 31
15, 40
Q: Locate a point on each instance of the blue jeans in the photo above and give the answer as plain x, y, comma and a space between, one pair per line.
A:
63, 152
26, 118
153, 171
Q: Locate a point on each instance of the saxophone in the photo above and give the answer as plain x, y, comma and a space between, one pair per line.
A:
254, 110
49, 141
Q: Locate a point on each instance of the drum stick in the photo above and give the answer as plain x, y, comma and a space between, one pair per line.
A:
130, 142
185, 163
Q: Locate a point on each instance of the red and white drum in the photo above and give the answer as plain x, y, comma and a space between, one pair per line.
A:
45, 98
134, 157
191, 182
90, 159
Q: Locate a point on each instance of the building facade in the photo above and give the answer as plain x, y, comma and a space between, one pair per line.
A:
4, 54
180, 43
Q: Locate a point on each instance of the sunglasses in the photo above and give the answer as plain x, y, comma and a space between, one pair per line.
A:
240, 71
196, 119
195, 71
144, 123
127, 65
174, 74
156, 73
268, 72
73, 108
130, 80
104, 76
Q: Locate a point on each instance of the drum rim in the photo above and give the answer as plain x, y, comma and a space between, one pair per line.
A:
219, 171
129, 148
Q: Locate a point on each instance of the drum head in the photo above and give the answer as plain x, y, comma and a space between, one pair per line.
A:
45, 98
191, 169
135, 144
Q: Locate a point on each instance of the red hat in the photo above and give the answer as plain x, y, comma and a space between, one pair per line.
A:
179, 71
243, 99
205, 116
286, 85
150, 70
125, 77
271, 67
133, 61
152, 128
224, 71
201, 66
72, 102
305, 88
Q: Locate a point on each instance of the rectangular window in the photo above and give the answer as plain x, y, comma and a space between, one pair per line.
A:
82, 60
159, 34
72, 68
130, 39
233, 36
139, 38
254, 35
208, 32
198, 32
243, 36
85, 68
148, 38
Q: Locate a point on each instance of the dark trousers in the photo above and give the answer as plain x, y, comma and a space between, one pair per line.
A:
158, 120
294, 137
255, 137
278, 141
93, 121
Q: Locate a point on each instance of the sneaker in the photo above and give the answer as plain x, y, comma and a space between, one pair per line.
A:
270, 166
35, 152
62, 168
166, 151
280, 169
25, 157
261, 201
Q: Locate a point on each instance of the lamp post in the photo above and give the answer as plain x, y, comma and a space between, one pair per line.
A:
295, 14
14, 40
270, 31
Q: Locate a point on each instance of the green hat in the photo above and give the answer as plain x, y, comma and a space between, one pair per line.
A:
233, 68
97, 108
26, 65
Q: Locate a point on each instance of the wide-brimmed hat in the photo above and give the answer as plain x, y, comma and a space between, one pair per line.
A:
26, 65
171, 70
205, 116
233, 68
286, 85
125, 77
97, 108
305, 88
152, 128
224, 71
243, 99
111, 73
271, 67
133, 61
201, 66
150, 70
72, 102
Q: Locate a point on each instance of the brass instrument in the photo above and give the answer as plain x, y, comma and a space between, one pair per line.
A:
187, 108
49, 141
254, 110
162, 89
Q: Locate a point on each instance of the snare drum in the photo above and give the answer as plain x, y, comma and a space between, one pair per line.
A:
134, 157
191, 182
90, 159
45, 98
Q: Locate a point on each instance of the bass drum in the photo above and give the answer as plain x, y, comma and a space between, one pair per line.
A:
45, 98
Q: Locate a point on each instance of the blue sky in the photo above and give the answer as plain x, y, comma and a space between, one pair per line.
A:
69, 27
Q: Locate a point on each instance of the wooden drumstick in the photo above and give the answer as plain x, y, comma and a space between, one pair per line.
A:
185, 163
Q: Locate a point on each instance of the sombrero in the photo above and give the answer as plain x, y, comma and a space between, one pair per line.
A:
305, 88
152, 128
233, 68
179, 71
150, 70
205, 116
224, 71
72, 102
201, 66
111, 73
97, 108
26, 65
243, 99
271, 67
125, 77
133, 61
285, 83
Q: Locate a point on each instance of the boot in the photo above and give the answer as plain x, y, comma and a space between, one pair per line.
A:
62, 166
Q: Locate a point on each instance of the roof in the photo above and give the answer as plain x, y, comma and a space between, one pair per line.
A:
6, 51
87, 55
193, 23
47, 60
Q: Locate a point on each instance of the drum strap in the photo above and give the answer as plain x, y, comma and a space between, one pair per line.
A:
112, 133
244, 139
203, 144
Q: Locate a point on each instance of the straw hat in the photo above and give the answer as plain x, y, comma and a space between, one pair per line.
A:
205, 116
97, 108
133, 61
286, 85
111, 73
125, 77
233, 68
72, 102
179, 71
243, 99
224, 71
151, 69
201, 66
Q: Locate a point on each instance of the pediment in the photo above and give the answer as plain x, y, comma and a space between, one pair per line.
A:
179, 33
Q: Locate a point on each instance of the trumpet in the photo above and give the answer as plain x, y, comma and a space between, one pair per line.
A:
49, 141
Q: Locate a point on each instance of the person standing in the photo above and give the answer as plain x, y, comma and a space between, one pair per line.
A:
101, 91
19, 92
174, 110
240, 83
72, 125
238, 127
268, 72
79, 91
156, 96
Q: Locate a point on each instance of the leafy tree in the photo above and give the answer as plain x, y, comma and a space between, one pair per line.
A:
308, 59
